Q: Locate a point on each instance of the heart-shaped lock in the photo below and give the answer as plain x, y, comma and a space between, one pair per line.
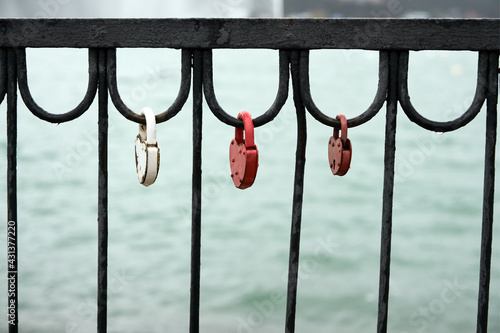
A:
147, 153
243, 154
340, 150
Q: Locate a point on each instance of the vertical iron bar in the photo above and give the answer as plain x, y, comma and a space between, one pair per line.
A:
300, 160
3, 73
194, 321
388, 193
12, 230
102, 219
488, 195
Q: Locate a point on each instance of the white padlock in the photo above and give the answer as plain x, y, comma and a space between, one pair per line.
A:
147, 153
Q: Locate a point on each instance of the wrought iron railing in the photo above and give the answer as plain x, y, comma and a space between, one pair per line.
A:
294, 38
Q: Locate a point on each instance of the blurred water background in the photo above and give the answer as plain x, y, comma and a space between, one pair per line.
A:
245, 236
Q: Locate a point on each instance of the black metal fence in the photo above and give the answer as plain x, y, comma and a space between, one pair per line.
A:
393, 38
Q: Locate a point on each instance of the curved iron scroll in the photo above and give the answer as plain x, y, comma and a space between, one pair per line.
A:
373, 109
446, 126
40, 112
281, 96
3, 74
171, 111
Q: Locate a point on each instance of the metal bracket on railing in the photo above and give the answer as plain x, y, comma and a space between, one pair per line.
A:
373, 109
40, 112
162, 117
468, 116
270, 114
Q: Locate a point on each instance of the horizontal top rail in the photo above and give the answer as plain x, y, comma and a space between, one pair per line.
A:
285, 33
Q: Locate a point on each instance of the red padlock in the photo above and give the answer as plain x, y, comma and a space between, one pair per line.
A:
243, 154
340, 150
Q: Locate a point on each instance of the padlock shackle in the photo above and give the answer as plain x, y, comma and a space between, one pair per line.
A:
249, 130
343, 128
148, 131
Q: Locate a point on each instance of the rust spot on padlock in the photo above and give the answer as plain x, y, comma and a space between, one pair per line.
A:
243, 154
340, 149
